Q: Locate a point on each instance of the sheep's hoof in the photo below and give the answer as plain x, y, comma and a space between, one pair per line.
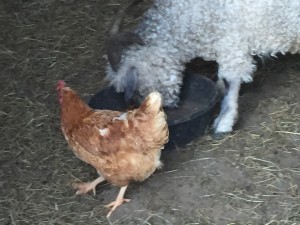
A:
220, 135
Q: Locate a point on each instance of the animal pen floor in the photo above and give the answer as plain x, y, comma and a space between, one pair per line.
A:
250, 177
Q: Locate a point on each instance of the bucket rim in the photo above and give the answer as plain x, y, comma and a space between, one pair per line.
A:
201, 112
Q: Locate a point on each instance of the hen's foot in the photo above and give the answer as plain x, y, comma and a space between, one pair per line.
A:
83, 188
119, 201
113, 205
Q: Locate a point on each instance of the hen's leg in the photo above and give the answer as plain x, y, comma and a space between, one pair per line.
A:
119, 201
83, 188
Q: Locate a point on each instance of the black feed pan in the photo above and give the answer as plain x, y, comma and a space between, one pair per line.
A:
186, 122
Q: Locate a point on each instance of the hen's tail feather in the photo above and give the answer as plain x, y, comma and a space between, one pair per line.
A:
153, 103
152, 106
150, 120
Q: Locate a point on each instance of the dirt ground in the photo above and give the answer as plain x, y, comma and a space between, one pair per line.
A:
250, 177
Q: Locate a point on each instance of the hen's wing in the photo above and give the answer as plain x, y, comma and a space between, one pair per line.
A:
115, 149
122, 147
88, 138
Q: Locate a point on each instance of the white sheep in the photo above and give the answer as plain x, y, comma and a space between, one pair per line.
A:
227, 31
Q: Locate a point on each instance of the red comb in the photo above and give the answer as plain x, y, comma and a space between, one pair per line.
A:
60, 85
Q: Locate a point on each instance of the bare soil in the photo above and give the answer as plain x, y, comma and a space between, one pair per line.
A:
249, 177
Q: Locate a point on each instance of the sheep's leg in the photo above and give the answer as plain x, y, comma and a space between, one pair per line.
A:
222, 87
235, 69
229, 109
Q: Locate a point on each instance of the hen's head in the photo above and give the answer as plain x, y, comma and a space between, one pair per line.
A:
59, 87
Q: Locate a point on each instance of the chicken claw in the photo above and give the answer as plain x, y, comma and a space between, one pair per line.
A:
113, 205
119, 201
83, 188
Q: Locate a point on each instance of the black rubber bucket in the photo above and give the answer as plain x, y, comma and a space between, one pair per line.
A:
186, 122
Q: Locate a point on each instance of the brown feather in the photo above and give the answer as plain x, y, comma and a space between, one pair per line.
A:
121, 149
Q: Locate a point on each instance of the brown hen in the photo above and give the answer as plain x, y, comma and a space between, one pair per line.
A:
122, 147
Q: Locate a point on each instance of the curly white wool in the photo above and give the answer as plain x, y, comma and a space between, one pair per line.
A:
228, 31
